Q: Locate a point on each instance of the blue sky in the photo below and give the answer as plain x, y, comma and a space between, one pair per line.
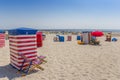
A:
60, 14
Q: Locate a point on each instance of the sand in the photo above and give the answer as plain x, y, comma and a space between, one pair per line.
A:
69, 61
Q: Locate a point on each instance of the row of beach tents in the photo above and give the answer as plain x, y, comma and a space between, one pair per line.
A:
23, 41
86, 37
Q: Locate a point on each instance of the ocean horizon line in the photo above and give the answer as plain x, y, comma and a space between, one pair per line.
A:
76, 30
81, 30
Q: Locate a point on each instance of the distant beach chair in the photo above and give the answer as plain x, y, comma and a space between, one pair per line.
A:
78, 37
69, 38
32, 64
61, 38
108, 37
41, 58
114, 39
43, 37
56, 39
94, 41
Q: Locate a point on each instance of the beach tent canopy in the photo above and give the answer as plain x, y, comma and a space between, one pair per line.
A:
22, 31
2, 31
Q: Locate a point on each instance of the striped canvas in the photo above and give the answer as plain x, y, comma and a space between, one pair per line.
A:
22, 44
2, 40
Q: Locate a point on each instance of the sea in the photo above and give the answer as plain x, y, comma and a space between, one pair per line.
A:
80, 30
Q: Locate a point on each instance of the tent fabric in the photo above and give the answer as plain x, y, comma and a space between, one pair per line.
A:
22, 31
2, 31
39, 39
114, 39
69, 38
85, 38
2, 40
43, 36
61, 38
78, 37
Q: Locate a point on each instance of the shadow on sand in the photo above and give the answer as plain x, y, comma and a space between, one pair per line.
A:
10, 72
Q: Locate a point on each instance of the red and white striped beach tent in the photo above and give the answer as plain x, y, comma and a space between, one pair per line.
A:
22, 41
2, 38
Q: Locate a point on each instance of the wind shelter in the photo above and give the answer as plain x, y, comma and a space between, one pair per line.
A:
2, 38
69, 38
61, 38
22, 41
43, 36
86, 37
39, 39
78, 37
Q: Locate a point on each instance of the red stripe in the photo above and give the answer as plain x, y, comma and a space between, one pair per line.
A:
12, 58
32, 56
1, 46
2, 36
19, 66
25, 55
26, 63
28, 54
16, 57
24, 37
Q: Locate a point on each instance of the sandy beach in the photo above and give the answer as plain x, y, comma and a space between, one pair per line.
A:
69, 61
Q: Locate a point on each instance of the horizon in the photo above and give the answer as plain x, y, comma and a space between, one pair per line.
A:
74, 30
60, 14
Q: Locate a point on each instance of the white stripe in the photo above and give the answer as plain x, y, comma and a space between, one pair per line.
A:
24, 51
28, 55
22, 44
30, 39
17, 60
21, 48
23, 36
16, 55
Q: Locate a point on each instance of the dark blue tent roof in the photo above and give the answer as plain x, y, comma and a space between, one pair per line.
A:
2, 31
22, 31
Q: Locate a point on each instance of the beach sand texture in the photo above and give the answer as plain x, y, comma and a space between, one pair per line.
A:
69, 61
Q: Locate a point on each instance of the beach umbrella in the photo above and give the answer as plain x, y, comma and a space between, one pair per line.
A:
97, 33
